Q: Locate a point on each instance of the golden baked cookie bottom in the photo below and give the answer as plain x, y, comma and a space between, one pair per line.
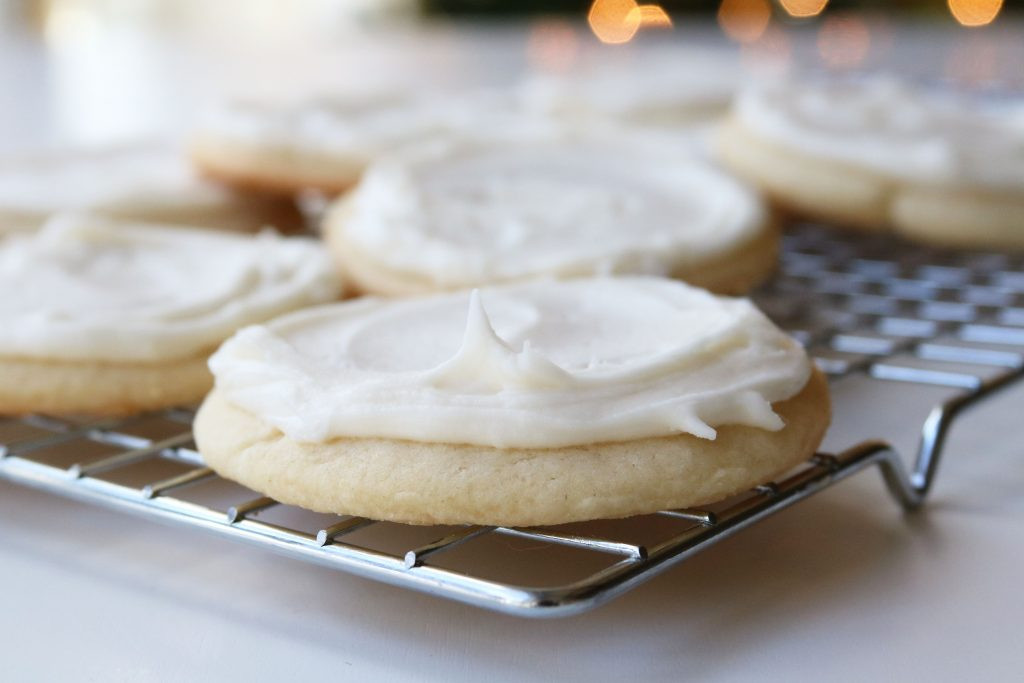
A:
246, 212
60, 387
434, 483
854, 197
736, 270
275, 170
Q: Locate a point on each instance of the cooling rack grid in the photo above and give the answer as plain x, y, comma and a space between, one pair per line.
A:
862, 305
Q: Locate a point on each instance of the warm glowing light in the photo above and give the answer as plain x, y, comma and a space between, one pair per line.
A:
614, 21
975, 12
652, 16
844, 41
803, 8
617, 21
744, 20
66, 23
552, 45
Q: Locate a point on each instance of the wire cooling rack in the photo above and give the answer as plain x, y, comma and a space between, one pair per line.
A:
872, 306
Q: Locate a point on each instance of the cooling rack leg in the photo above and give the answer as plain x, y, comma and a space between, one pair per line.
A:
894, 474
936, 428
896, 480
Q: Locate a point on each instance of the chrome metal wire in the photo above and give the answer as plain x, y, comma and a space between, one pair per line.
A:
868, 306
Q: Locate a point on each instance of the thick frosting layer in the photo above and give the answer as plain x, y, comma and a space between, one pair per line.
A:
539, 365
893, 128
86, 289
473, 211
107, 181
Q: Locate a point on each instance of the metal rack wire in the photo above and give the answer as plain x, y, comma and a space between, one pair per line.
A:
871, 306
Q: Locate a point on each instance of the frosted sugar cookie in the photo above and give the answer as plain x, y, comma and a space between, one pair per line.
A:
537, 403
99, 317
148, 183
324, 144
665, 89
879, 154
471, 211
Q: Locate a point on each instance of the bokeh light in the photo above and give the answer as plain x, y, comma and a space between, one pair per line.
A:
652, 16
552, 45
803, 8
744, 20
975, 12
617, 21
844, 41
69, 23
614, 21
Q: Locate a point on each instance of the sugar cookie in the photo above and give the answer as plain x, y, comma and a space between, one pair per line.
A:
103, 317
549, 402
147, 183
878, 154
463, 212
324, 144
668, 89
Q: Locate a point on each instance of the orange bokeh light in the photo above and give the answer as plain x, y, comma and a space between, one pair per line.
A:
974, 12
803, 8
613, 21
617, 21
844, 41
652, 16
744, 20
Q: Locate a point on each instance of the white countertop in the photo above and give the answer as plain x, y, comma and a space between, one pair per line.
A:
842, 587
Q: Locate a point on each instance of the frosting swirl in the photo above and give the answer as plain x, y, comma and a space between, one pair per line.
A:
472, 211
89, 289
893, 128
538, 365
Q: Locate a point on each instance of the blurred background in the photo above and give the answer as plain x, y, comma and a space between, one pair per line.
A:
102, 71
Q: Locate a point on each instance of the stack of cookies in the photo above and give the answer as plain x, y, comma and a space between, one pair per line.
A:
536, 331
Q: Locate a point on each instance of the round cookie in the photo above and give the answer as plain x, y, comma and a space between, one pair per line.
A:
423, 483
114, 318
552, 402
146, 183
324, 144
57, 387
466, 212
876, 154
666, 89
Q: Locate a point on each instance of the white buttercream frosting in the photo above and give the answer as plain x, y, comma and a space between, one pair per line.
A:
479, 210
666, 89
540, 365
114, 180
361, 127
83, 288
892, 127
